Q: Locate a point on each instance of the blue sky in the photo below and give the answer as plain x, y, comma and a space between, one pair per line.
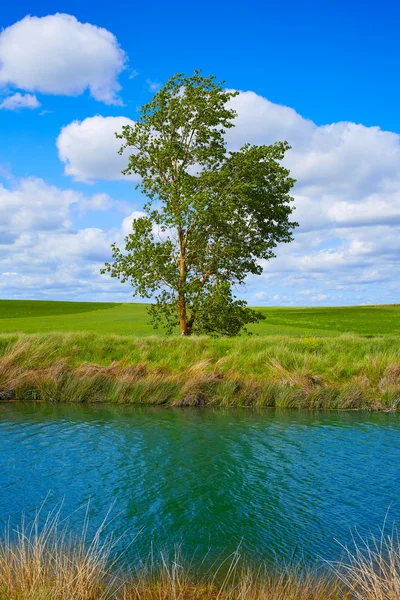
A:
322, 75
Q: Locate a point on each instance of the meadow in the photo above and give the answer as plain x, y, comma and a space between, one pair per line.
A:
33, 316
331, 358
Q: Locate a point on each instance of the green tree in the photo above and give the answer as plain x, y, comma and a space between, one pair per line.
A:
211, 215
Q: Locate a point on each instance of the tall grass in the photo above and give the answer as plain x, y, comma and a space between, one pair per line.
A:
171, 582
45, 562
371, 569
342, 372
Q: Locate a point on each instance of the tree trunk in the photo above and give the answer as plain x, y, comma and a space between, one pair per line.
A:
184, 329
183, 326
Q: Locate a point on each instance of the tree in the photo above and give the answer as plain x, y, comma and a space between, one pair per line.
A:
211, 214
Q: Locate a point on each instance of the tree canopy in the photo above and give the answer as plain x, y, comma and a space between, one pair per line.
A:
212, 215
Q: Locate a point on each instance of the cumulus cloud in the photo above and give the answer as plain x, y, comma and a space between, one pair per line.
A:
57, 54
31, 205
260, 121
89, 148
34, 205
42, 253
340, 162
17, 101
347, 174
60, 264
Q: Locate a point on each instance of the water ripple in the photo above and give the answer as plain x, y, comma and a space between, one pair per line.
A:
271, 481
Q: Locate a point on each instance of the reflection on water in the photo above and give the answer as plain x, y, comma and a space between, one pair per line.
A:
274, 481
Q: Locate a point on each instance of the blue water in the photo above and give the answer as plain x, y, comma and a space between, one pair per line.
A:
275, 482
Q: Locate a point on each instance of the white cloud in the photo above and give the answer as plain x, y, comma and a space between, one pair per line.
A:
43, 255
343, 160
347, 174
89, 148
32, 205
96, 202
18, 101
127, 222
57, 54
90, 244
260, 121
152, 85
378, 209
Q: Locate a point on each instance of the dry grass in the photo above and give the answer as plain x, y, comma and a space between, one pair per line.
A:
44, 562
240, 584
371, 571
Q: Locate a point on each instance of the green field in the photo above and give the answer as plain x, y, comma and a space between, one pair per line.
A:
30, 316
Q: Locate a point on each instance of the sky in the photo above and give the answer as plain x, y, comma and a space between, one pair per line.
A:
323, 76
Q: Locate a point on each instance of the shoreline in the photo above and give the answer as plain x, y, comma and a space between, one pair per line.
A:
348, 372
166, 406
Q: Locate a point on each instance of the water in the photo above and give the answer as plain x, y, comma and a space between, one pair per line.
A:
277, 483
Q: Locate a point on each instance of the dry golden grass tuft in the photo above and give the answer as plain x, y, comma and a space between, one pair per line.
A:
371, 570
301, 376
44, 562
391, 375
240, 585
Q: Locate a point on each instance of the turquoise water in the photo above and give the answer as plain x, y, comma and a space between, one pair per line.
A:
277, 483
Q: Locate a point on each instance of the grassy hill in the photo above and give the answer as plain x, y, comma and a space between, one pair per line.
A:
37, 316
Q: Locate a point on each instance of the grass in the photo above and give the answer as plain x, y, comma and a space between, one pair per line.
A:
346, 371
47, 563
28, 316
124, 319
22, 309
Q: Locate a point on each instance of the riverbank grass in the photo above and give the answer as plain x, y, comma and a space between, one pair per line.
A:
342, 372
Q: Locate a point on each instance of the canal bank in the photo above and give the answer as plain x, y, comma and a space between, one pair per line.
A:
343, 372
